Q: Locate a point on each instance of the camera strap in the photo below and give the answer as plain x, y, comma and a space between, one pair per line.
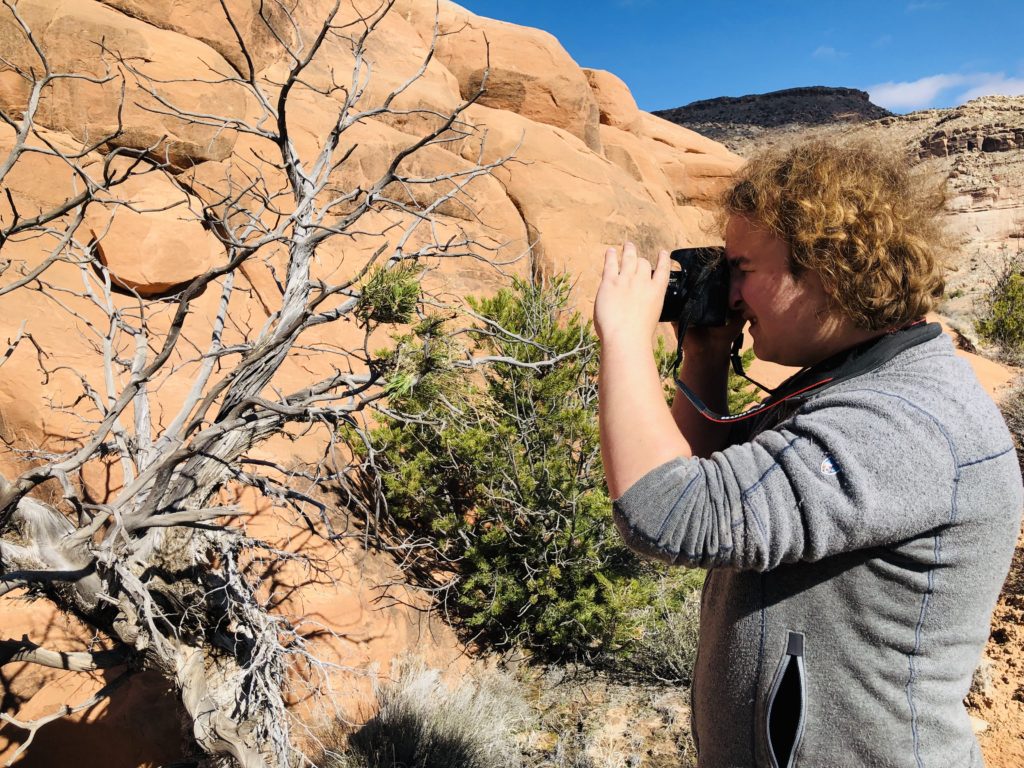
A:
848, 364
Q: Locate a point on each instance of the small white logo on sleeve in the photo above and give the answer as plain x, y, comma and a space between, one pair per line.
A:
829, 467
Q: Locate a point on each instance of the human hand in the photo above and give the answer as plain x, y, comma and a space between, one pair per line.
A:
712, 342
630, 296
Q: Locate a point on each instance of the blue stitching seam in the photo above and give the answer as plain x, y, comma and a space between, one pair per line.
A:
987, 458
745, 495
671, 512
684, 555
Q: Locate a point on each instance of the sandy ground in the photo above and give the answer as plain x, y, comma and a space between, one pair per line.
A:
998, 698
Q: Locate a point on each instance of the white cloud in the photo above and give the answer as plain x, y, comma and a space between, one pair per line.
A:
827, 52
882, 41
957, 87
996, 84
924, 6
915, 94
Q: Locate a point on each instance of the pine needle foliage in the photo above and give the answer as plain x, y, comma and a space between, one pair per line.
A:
502, 471
390, 295
499, 471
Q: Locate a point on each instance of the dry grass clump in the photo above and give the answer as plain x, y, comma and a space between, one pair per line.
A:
1012, 406
543, 717
589, 719
420, 723
667, 649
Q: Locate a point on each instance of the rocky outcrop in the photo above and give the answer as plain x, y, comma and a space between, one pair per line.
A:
88, 38
986, 138
527, 70
258, 24
615, 103
157, 243
736, 119
989, 124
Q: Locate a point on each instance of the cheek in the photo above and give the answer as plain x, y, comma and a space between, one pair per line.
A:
789, 297
768, 295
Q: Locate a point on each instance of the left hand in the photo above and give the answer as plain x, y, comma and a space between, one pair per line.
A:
630, 296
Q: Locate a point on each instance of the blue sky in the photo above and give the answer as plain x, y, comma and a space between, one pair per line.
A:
909, 54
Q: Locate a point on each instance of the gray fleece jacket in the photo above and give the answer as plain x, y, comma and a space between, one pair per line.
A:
856, 550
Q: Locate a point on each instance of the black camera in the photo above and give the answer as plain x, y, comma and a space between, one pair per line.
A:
697, 292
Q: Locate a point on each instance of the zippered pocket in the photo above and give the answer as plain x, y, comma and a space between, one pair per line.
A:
786, 712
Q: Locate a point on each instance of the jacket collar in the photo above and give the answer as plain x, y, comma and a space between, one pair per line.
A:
860, 359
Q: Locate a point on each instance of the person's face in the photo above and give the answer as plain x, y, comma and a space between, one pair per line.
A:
787, 316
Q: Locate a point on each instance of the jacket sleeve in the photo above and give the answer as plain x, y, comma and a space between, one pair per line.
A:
849, 470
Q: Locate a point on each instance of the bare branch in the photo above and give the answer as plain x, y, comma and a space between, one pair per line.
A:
73, 661
34, 726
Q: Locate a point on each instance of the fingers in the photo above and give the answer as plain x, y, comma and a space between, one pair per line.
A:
628, 259
631, 264
611, 263
662, 268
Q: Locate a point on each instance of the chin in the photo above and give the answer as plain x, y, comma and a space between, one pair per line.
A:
764, 352
769, 355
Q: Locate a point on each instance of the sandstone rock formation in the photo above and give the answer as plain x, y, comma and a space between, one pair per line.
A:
528, 71
157, 243
615, 103
76, 34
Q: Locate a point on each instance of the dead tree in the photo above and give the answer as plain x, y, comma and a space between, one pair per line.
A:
159, 569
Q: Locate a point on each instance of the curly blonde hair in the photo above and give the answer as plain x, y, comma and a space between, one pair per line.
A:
859, 218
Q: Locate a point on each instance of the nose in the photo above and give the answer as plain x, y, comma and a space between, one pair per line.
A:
735, 294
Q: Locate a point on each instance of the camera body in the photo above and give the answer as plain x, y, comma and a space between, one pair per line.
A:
698, 292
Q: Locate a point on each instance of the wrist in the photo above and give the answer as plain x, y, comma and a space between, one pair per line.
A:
707, 347
626, 342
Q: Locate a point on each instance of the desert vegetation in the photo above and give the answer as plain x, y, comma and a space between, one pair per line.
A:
537, 717
495, 482
1000, 320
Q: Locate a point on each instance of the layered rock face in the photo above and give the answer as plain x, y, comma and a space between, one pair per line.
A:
985, 138
583, 169
989, 124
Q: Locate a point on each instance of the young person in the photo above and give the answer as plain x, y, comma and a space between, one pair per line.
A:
858, 528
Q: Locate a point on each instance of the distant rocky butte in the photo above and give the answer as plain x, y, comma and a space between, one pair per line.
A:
737, 120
